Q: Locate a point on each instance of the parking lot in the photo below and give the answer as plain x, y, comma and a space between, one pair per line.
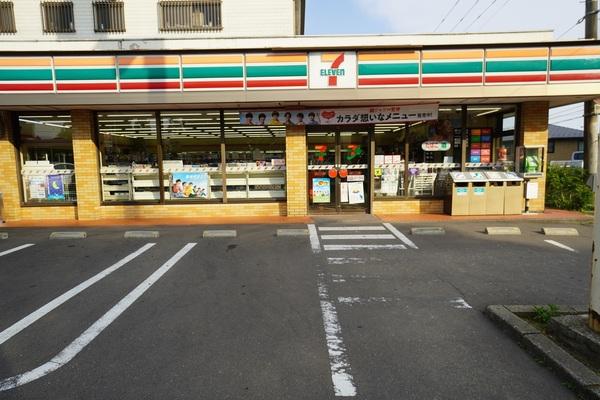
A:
358, 308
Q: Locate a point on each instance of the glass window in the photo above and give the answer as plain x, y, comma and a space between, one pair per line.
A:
128, 155
192, 154
46, 147
491, 134
255, 159
388, 173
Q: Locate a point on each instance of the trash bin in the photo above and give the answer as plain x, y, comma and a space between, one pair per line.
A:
513, 194
478, 186
467, 195
495, 194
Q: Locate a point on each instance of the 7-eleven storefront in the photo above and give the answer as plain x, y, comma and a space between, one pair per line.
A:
255, 133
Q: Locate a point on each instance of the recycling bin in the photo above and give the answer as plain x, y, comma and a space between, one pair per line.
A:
513, 197
495, 197
478, 195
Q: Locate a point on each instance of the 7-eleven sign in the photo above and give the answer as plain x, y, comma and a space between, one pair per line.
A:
332, 70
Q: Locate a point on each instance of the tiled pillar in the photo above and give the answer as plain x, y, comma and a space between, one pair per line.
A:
87, 166
296, 171
9, 184
534, 132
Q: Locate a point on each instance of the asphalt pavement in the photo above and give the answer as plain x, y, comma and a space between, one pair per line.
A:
357, 309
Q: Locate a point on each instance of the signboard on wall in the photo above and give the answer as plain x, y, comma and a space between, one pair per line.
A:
332, 70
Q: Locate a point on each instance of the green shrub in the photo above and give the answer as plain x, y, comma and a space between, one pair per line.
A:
543, 314
566, 189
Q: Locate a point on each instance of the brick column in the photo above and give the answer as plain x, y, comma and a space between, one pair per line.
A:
9, 184
87, 167
296, 171
534, 132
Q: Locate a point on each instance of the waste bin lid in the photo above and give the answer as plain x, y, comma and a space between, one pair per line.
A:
501, 176
458, 176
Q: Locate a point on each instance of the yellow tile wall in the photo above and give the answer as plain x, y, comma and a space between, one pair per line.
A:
87, 166
9, 184
420, 206
296, 171
194, 210
534, 129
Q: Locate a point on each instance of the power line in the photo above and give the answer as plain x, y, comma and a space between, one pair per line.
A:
495, 13
446, 16
464, 16
479, 16
565, 112
566, 120
580, 20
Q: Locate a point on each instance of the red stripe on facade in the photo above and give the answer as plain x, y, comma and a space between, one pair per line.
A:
575, 77
25, 87
451, 79
388, 81
213, 84
516, 78
149, 85
276, 83
86, 86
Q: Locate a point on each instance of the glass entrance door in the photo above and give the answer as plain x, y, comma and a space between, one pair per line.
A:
338, 171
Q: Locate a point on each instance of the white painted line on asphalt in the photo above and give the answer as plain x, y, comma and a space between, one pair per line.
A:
343, 382
557, 244
314, 238
334, 247
40, 312
345, 260
400, 235
69, 352
358, 300
357, 237
460, 303
352, 228
16, 249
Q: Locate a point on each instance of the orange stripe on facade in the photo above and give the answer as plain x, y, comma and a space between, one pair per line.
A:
149, 60
453, 54
330, 57
516, 53
84, 61
213, 59
25, 62
389, 56
575, 51
275, 58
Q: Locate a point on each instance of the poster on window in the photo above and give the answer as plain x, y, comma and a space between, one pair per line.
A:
189, 185
356, 192
321, 190
37, 187
344, 192
56, 188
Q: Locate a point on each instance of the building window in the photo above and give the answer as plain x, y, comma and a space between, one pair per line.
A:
46, 149
57, 17
551, 144
7, 17
109, 16
580, 145
190, 15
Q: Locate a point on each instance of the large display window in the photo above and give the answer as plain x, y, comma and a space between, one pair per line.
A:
46, 150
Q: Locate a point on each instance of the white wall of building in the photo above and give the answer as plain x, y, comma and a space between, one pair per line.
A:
240, 18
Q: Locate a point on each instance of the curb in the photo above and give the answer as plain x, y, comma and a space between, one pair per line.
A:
68, 235
428, 230
3, 235
292, 232
141, 235
223, 233
585, 381
502, 230
560, 231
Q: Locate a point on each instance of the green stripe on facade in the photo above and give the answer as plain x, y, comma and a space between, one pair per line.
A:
91, 74
453, 67
516, 66
26, 75
213, 72
575, 64
275, 70
149, 73
388, 69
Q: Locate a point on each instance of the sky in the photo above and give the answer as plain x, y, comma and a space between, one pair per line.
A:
324, 17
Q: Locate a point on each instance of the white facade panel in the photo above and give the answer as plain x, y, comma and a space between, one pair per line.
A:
240, 18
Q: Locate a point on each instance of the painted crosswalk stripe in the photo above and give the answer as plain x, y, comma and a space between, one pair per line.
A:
357, 237
16, 249
314, 238
45, 309
69, 352
336, 247
343, 382
400, 235
351, 228
557, 244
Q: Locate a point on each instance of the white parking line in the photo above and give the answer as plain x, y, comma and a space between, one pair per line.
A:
343, 382
352, 228
40, 312
346, 260
557, 244
16, 249
460, 303
314, 238
400, 235
335, 247
357, 237
69, 352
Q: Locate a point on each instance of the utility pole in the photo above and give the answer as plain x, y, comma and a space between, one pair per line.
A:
591, 163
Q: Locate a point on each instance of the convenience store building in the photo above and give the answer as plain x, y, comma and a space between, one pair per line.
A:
284, 126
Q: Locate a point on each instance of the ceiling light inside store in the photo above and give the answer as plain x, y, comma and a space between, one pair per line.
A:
488, 112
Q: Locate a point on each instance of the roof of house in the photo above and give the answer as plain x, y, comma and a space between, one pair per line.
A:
562, 132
